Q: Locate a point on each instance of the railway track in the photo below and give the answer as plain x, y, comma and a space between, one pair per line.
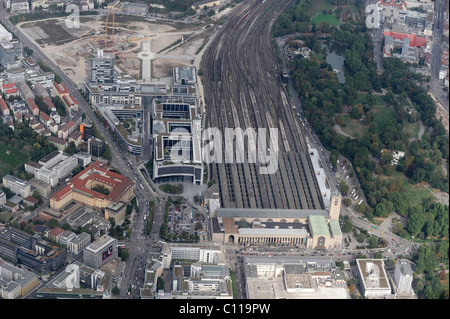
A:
243, 89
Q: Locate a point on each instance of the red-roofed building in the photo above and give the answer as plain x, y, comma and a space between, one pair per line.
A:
393, 3
416, 41
61, 88
11, 92
70, 102
33, 107
55, 233
7, 86
4, 107
66, 129
18, 117
45, 119
79, 188
30, 200
49, 103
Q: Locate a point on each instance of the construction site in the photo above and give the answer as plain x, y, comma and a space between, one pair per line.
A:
146, 49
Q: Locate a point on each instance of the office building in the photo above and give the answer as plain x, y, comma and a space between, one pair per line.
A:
9, 51
55, 167
17, 185
17, 282
2, 197
88, 130
83, 188
102, 68
84, 159
79, 243
65, 237
177, 143
185, 75
100, 252
203, 253
292, 277
31, 250
96, 146
43, 188
116, 211
373, 279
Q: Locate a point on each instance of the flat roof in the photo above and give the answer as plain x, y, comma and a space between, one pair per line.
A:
273, 231
100, 243
269, 212
373, 273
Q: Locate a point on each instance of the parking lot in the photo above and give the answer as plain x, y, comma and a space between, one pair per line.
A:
182, 223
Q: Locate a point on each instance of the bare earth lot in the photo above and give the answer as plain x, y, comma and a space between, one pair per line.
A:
69, 48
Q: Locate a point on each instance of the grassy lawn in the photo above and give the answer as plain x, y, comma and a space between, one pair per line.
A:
412, 129
319, 5
353, 127
172, 189
10, 161
380, 114
330, 19
5, 216
415, 193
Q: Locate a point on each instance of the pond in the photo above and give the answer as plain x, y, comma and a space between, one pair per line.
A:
335, 57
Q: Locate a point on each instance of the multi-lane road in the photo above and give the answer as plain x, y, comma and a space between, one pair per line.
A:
126, 163
265, 92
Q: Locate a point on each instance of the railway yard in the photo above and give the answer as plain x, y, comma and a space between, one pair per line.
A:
243, 89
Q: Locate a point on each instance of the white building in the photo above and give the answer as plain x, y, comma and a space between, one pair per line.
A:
373, 278
17, 185
187, 252
403, 276
68, 279
78, 243
55, 167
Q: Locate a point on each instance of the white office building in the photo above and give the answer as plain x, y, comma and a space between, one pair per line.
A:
55, 167
187, 252
17, 185
373, 278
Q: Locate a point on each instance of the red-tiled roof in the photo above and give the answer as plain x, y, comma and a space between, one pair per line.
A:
31, 104
416, 41
56, 231
44, 116
49, 102
8, 85
11, 91
98, 172
3, 105
61, 88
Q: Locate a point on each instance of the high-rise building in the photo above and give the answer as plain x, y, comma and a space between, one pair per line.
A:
100, 252
102, 68
403, 276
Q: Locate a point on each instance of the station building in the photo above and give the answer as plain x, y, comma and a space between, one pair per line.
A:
314, 228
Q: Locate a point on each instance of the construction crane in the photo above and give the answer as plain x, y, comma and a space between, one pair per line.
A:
112, 7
